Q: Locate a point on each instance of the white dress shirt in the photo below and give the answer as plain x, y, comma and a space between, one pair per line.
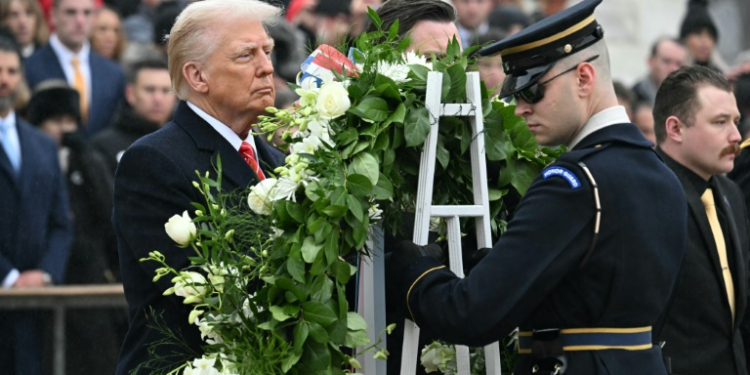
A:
66, 56
607, 117
225, 131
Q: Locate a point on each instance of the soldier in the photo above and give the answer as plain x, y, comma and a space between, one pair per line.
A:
591, 256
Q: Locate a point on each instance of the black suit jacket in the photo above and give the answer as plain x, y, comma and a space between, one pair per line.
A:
153, 183
698, 332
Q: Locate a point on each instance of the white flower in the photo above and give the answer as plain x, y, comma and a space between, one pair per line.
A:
321, 130
207, 332
333, 100
276, 233
205, 366
304, 147
374, 212
189, 284
396, 72
307, 97
435, 357
180, 228
285, 188
412, 58
188, 370
258, 199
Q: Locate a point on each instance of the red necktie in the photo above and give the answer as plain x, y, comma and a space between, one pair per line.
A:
247, 153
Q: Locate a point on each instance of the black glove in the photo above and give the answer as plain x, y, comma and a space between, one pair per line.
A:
405, 254
474, 258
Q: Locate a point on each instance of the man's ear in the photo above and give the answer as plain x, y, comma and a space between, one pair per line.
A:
586, 79
195, 76
130, 94
674, 129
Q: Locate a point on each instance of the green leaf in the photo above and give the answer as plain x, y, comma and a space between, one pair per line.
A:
375, 18
288, 284
346, 137
331, 247
296, 269
301, 331
383, 190
296, 211
365, 164
337, 331
318, 313
316, 356
342, 271
443, 156
278, 313
417, 127
418, 71
358, 185
354, 339
372, 108
447, 96
290, 361
319, 264
322, 289
335, 211
387, 88
310, 249
495, 194
313, 191
458, 83
398, 115
355, 321
355, 206
318, 333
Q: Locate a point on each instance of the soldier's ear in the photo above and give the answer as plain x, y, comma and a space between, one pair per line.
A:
674, 128
586, 79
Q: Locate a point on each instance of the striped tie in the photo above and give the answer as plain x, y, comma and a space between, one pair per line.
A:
247, 153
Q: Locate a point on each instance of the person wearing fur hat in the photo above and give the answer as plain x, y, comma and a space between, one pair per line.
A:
699, 34
54, 108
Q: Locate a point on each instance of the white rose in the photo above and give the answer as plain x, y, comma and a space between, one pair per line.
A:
333, 100
180, 228
258, 199
437, 357
285, 189
189, 284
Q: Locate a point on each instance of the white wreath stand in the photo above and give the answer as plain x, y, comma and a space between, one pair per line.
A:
372, 286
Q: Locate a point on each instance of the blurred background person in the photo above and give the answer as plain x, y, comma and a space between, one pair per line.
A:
624, 98
490, 68
472, 21
54, 110
667, 55
301, 14
742, 93
107, 36
68, 56
359, 18
699, 34
139, 27
643, 118
35, 231
547, 8
508, 18
25, 20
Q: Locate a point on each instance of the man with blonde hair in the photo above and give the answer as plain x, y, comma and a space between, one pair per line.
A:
220, 66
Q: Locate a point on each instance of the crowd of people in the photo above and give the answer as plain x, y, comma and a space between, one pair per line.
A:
82, 80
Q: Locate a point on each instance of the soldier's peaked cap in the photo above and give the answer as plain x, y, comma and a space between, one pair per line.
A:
531, 53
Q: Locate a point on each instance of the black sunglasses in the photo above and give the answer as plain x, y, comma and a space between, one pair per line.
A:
535, 93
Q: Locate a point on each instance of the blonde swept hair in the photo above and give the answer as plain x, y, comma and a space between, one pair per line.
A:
194, 34
41, 32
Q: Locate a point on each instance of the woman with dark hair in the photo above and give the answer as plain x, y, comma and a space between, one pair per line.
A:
25, 20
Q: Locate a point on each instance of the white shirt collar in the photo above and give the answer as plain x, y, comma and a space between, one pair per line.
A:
67, 55
602, 119
9, 120
225, 131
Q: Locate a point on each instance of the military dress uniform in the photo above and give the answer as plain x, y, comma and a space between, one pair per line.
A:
590, 258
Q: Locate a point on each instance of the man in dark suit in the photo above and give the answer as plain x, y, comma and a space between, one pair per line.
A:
68, 56
696, 120
35, 231
223, 93
593, 250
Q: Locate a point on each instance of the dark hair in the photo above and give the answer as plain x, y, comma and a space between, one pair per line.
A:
742, 93
8, 44
658, 42
409, 12
492, 35
136, 68
698, 19
678, 96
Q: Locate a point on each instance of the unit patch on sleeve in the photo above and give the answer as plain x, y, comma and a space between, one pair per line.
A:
564, 173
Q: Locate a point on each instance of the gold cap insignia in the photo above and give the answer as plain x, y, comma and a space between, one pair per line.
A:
568, 48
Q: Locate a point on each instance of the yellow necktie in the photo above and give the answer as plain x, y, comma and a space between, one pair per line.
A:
708, 201
79, 83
